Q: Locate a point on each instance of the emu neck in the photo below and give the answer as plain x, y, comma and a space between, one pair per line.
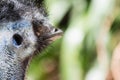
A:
13, 70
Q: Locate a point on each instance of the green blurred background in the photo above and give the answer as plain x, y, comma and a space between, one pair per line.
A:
91, 32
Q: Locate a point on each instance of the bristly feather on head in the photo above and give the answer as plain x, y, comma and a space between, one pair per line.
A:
12, 10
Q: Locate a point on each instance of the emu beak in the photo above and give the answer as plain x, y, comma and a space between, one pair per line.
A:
55, 34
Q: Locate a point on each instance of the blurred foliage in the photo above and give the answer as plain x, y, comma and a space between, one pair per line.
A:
98, 27
45, 65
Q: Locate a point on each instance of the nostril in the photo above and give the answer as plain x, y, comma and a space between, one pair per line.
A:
17, 39
56, 30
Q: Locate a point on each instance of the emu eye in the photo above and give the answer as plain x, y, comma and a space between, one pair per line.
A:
17, 39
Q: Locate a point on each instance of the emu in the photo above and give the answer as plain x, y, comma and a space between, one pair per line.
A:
25, 30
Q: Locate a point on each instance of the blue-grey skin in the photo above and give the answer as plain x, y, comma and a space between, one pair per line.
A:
13, 54
24, 30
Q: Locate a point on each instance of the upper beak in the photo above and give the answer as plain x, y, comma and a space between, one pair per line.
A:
55, 34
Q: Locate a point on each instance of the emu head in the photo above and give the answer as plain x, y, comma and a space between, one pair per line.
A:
24, 30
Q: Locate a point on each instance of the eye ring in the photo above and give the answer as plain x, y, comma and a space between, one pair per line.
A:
17, 39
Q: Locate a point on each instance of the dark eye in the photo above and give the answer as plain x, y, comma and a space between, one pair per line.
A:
17, 39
